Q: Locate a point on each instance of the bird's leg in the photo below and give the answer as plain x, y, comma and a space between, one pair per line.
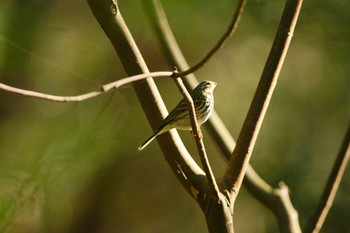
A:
192, 134
199, 134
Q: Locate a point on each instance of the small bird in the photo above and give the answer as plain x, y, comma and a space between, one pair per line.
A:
179, 117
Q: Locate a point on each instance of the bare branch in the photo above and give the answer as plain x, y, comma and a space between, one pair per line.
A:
135, 78
48, 96
160, 23
273, 198
315, 223
198, 138
174, 55
105, 88
239, 160
184, 167
276, 199
229, 32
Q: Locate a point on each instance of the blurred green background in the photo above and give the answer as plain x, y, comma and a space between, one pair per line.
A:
74, 167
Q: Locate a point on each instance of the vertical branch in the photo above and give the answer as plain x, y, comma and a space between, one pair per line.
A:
315, 223
239, 160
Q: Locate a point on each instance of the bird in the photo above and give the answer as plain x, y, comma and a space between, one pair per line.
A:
179, 117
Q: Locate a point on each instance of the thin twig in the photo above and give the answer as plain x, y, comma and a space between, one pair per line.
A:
198, 138
239, 160
49, 97
105, 88
229, 32
135, 78
315, 223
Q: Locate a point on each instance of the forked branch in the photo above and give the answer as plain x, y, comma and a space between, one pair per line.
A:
276, 199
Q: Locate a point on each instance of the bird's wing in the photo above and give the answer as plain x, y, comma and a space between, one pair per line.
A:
178, 113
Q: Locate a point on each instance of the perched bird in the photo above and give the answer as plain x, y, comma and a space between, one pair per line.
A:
179, 117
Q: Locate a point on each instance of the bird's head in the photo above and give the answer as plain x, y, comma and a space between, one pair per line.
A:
206, 87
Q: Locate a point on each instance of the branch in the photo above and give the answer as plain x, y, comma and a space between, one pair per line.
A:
315, 223
48, 96
276, 199
174, 55
105, 88
199, 140
184, 167
239, 160
229, 32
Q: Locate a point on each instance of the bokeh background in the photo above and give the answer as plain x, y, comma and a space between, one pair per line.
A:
74, 167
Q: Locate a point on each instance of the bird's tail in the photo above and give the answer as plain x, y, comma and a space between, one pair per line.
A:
148, 141
162, 129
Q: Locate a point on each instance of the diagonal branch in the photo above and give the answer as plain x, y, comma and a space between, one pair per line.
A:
315, 223
229, 32
276, 199
184, 167
199, 141
239, 160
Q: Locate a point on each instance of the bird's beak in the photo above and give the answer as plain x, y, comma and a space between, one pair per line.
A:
217, 83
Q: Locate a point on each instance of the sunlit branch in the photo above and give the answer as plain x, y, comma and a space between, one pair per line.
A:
105, 88
198, 138
239, 160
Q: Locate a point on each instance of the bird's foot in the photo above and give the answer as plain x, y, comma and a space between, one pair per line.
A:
199, 134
